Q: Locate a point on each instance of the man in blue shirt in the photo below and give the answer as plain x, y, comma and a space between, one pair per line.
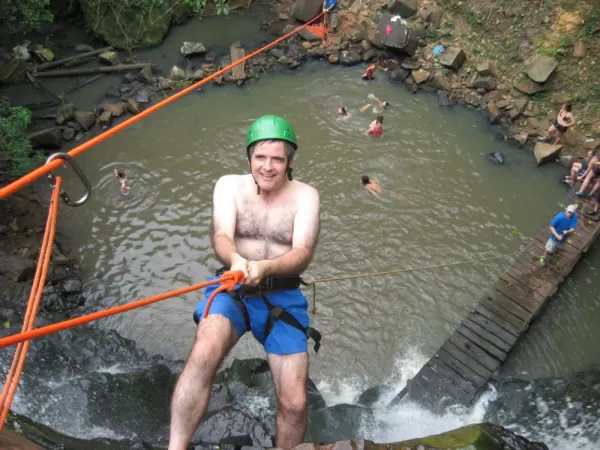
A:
330, 10
562, 225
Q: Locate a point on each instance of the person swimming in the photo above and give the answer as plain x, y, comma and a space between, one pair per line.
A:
122, 177
343, 113
378, 108
376, 127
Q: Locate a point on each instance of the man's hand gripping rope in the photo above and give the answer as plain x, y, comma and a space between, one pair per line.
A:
228, 283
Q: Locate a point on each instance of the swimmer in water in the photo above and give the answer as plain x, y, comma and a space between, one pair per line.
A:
122, 177
376, 127
378, 108
376, 189
343, 113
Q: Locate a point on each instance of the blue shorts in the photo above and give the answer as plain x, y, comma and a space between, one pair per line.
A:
283, 339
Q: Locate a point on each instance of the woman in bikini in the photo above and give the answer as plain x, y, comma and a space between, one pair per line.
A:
563, 121
376, 127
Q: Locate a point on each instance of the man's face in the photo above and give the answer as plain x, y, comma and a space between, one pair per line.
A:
569, 214
269, 165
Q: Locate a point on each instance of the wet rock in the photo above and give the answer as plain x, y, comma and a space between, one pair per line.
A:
529, 87
439, 81
15, 267
546, 152
541, 68
333, 58
192, 48
163, 84
366, 45
44, 54
410, 84
208, 68
370, 54
373, 395
68, 134
486, 69
49, 138
520, 137
453, 57
82, 48
145, 75
133, 106
493, 113
579, 49
520, 105
443, 99
349, 58
398, 75
403, 8
105, 119
116, 109
337, 423
487, 83
110, 58
411, 64
307, 35
71, 286
305, 10
177, 74
65, 113
86, 120
420, 76
21, 52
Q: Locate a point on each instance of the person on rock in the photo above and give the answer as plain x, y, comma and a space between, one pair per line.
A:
563, 121
330, 8
266, 225
580, 168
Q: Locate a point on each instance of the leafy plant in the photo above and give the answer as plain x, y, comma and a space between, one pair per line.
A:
20, 16
13, 123
432, 34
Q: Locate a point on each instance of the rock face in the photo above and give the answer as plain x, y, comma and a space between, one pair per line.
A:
304, 10
395, 35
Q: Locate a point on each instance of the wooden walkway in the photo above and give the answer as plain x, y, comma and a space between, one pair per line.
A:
460, 369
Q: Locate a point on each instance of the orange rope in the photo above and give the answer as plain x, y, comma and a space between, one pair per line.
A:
47, 168
228, 279
16, 368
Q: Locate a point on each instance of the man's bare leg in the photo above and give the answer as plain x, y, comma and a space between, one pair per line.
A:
290, 376
215, 336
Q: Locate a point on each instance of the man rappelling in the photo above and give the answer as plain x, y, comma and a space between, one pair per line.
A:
266, 225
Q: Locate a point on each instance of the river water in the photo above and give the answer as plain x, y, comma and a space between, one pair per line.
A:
452, 204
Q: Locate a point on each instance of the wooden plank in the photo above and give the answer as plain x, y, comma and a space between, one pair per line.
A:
485, 334
448, 372
513, 323
536, 282
445, 386
465, 359
525, 281
489, 347
492, 327
512, 289
499, 297
460, 368
237, 53
518, 288
475, 352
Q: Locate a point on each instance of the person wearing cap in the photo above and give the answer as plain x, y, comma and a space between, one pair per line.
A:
562, 225
265, 224
330, 9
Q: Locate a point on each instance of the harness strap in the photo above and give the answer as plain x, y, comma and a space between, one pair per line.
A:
278, 313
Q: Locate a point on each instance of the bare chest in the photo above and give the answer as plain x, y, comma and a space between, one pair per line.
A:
272, 224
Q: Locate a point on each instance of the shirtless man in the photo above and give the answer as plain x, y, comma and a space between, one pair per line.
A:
563, 121
266, 225
372, 186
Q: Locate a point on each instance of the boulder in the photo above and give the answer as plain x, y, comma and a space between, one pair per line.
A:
420, 76
44, 54
68, 134
521, 105
559, 98
116, 109
403, 8
546, 152
411, 64
105, 119
49, 138
305, 10
133, 106
439, 81
83, 48
493, 113
65, 113
579, 49
85, 120
110, 58
394, 34
541, 68
398, 75
177, 74
453, 57
349, 58
486, 69
192, 48
529, 87
487, 83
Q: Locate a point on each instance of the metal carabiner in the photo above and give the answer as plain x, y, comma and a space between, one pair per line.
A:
80, 174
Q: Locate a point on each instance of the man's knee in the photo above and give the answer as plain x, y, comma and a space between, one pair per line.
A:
293, 403
215, 336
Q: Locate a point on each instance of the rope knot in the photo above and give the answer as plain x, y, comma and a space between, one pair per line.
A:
231, 278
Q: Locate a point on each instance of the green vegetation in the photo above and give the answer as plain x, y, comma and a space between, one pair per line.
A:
13, 122
20, 16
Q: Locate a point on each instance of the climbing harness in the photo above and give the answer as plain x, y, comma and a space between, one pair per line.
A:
269, 284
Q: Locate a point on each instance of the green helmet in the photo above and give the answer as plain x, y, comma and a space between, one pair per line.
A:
270, 127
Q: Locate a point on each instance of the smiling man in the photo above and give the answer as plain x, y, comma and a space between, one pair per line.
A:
265, 224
